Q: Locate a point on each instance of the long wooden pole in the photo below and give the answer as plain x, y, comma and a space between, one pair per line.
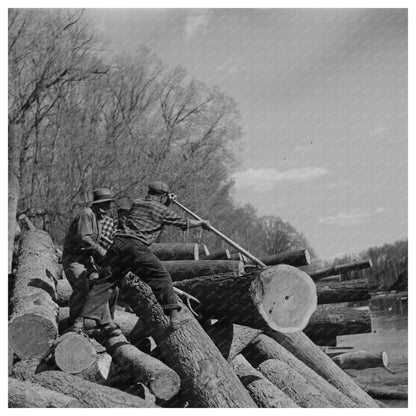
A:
222, 236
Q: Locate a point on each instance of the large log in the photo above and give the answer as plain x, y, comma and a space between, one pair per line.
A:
161, 380
342, 268
100, 371
88, 393
300, 390
280, 297
189, 269
306, 351
74, 353
263, 391
296, 258
33, 325
24, 394
346, 291
386, 393
359, 360
218, 254
333, 320
207, 378
231, 338
264, 348
175, 251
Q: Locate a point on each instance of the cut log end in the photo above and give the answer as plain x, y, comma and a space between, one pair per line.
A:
285, 297
74, 353
30, 336
164, 385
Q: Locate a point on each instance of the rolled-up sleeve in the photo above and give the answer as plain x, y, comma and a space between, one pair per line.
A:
171, 218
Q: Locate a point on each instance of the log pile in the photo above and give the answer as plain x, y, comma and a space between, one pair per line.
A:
246, 347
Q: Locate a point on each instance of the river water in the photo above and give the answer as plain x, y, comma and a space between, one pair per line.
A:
389, 319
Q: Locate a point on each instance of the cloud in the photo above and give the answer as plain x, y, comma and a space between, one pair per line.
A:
351, 219
197, 21
263, 180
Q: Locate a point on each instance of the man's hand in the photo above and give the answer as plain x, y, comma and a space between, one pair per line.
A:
206, 225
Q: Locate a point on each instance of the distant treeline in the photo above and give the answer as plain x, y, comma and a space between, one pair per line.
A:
80, 118
390, 266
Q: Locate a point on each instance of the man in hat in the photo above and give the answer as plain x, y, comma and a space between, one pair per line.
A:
140, 227
83, 247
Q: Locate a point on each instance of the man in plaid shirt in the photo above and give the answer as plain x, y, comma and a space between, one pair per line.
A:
83, 247
138, 229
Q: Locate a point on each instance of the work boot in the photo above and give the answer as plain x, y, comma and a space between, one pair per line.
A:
78, 327
176, 319
109, 330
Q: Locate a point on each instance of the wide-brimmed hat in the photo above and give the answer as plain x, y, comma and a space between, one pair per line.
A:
158, 187
101, 195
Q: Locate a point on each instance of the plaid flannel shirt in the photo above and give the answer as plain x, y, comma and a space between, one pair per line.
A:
145, 220
107, 231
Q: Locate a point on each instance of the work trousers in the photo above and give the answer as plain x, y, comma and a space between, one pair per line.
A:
128, 255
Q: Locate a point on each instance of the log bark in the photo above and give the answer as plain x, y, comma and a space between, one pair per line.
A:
218, 254
207, 378
33, 325
359, 360
299, 389
346, 291
189, 269
175, 251
295, 258
63, 292
263, 391
280, 297
161, 380
342, 268
333, 320
88, 393
306, 351
24, 394
74, 353
231, 338
264, 348
386, 393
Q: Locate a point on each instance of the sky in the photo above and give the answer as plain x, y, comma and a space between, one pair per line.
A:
323, 100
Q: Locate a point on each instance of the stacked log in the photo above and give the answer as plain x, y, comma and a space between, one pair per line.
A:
359, 360
188, 269
296, 258
346, 291
175, 251
333, 320
264, 348
24, 394
206, 376
262, 391
218, 254
340, 269
280, 297
33, 325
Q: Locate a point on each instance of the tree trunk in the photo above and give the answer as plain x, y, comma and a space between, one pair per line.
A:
302, 391
342, 268
161, 380
386, 393
189, 269
74, 353
63, 292
359, 360
305, 350
88, 393
280, 297
24, 394
33, 326
175, 251
131, 326
207, 378
333, 320
263, 391
265, 348
346, 291
231, 338
295, 258
218, 254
